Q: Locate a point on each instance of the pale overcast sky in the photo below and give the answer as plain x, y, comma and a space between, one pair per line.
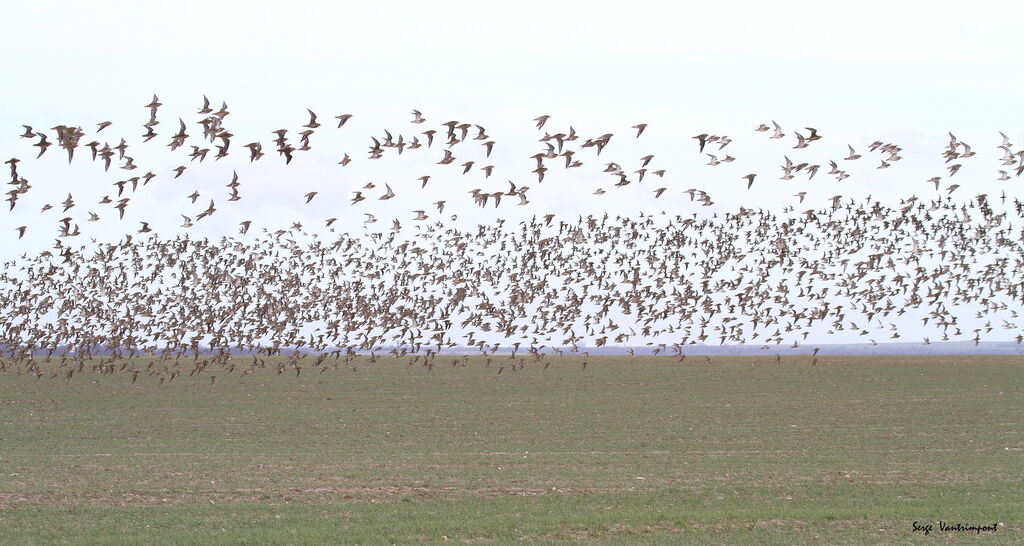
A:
902, 72
905, 72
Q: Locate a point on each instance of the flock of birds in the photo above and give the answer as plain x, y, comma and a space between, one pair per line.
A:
518, 292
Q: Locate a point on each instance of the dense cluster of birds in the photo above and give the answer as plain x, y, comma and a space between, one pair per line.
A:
517, 292
564, 149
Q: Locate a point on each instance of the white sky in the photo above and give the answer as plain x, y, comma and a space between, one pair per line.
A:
905, 72
870, 65
860, 70
900, 71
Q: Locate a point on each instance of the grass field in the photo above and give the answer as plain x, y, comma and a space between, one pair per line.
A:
853, 450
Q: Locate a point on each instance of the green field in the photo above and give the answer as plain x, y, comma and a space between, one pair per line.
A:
853, 450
